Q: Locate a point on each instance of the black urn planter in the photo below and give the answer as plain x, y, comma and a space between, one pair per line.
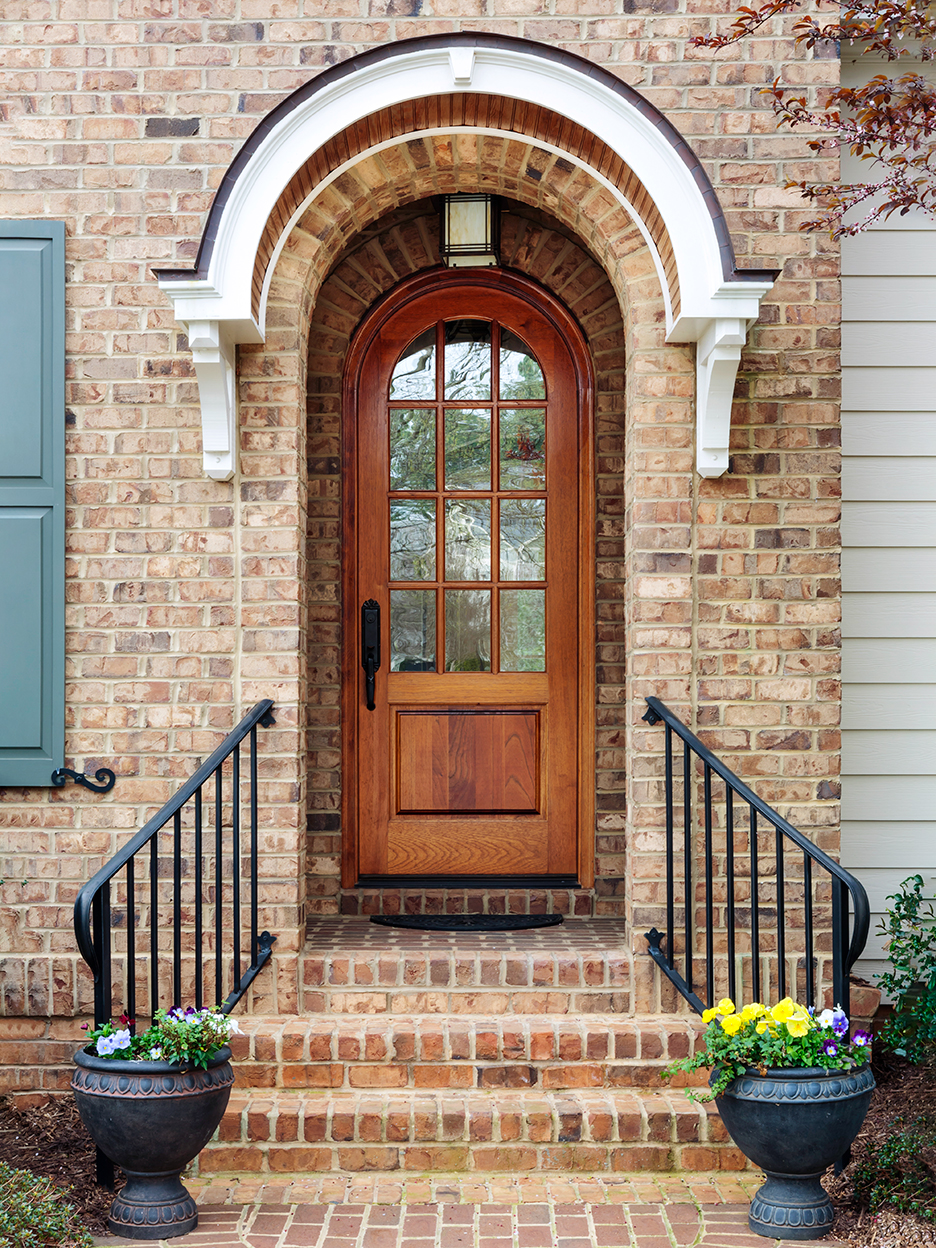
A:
794, 1123
151, 1119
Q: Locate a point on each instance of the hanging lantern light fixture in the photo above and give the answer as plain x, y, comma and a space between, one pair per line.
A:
470, 230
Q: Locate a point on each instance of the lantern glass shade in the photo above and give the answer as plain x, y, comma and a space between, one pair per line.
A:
469, 234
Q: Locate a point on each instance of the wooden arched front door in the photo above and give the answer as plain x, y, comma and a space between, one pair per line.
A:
468, 529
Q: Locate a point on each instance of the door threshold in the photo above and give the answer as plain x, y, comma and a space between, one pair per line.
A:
467, 881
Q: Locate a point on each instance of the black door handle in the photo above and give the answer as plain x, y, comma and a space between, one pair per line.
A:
370, 647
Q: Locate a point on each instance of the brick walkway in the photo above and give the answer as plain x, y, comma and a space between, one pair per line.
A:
698, 1211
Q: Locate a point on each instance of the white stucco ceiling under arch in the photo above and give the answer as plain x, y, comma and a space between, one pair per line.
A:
717, 303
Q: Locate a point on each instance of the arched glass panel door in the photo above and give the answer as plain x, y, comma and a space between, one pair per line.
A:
467, 490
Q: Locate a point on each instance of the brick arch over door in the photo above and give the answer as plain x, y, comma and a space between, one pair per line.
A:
574, 160
400, 244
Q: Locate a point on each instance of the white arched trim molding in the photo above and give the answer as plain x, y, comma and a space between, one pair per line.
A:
718, 303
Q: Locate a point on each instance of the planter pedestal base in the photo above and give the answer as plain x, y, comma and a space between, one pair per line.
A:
791, 1207
153, 1206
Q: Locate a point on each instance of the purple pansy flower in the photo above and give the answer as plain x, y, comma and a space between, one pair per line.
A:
830, 1048
861, 1038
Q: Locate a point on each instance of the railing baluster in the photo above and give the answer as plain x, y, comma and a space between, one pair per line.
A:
177, 910
93, 925
755, 910
850, 910
254, 847
219, 885
687, 863
131, 945
781, 920
154, 925
199, 970
808, 924
236, 868
709, 887
729, 884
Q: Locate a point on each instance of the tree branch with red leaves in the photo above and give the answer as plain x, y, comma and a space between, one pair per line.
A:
890, 122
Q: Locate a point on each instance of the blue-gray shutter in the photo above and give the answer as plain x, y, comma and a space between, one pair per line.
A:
32, 501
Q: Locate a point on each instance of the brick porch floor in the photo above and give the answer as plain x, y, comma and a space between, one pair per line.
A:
445, 1211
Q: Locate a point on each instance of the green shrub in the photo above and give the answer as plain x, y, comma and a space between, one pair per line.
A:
910, 940
897, 1172
35, 1214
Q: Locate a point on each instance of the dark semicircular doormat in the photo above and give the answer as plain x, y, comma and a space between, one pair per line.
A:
467, 922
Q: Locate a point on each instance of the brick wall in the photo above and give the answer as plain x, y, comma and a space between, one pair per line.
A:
189, 599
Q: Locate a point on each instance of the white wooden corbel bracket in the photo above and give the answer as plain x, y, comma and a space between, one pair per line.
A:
718, 355
213, 356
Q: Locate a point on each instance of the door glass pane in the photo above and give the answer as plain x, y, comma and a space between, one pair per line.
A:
468, 539
412, 448
467, 449
412, 630
523, 449
468, 360
520, 375
412, 539
523, 630
414, 374
467, 630
523, 539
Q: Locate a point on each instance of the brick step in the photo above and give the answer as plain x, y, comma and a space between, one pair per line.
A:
431, 1051
353, 966
627, 1129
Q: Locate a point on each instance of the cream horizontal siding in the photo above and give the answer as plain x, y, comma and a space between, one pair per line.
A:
887, 524
889, 551
888, 433
903, 343
876, 660
891, 569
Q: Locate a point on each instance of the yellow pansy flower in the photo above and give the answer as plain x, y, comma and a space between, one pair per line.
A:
708, 1015
798, 1024
783, 1010
732, 1023
754, 1010
761, 1026
725, 1006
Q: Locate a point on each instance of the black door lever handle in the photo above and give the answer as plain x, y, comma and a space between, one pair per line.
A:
370, 647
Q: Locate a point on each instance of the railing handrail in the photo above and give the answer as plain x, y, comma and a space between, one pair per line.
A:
861, 923
260, 714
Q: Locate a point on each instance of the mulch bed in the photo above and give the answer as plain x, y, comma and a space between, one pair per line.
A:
903, 1091
50, 1140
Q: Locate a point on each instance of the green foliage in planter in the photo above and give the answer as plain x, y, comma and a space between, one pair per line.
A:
910, 939
35, 1214
897, 1172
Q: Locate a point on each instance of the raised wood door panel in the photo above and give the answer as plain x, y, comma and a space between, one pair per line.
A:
467, 766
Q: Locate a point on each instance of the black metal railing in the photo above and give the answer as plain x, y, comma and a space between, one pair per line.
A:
183, 902
753, 908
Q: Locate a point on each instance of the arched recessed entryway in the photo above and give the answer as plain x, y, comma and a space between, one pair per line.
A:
631, 160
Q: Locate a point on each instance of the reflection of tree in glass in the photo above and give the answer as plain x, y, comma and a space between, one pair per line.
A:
467, 630
467, 449
520, 375
414, 373
467, 540
412, 448
467, 360
412, 630
522, 448
523, 539
412, 540
523, 630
